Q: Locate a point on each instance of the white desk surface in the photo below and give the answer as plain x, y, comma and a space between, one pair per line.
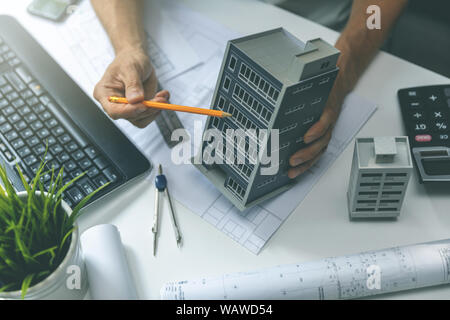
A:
317, 228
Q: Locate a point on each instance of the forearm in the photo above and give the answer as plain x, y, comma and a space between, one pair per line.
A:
358, 44
122, 21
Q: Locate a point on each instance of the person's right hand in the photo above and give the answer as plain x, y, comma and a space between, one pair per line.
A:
130, 75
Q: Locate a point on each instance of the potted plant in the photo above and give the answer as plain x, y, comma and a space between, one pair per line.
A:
40, 252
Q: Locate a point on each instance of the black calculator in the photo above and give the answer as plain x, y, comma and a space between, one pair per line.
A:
425, 112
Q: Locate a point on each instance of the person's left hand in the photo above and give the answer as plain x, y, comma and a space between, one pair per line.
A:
316, 138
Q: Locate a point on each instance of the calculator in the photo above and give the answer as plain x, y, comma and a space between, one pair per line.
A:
425, 111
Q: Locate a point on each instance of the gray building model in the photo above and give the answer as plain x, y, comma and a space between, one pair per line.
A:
269, 80
380, 173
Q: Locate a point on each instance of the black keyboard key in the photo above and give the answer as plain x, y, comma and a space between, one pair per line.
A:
45, 115
39, 149
14, 62
30, 160
101, 163
47, 157
72, 147
54, 164
8, 110
86, 185
92, 172
32, 101
24, 75
35, 167
70, 165
18, 103
24, 110
37, 125
39, 108
32, 141
9, 156
17, 144
110, 174
51, 123
63, 157
14, 118
91, 152
75, 194
23, 152
21, 125
58, 131
3, 103
2, 119
45, 100
26, 94
43, 133
15, 81
11, 135
30, 117
26, 133
77, 155
12, 96
5, 128
100, 180
65, 138
76, 173
85, 163
50, 140
6, 89
36, 88
55, 149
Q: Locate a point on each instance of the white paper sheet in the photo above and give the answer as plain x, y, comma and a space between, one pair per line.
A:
106, 264
83, 33
346, 277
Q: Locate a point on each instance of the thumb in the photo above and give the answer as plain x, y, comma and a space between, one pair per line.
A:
134, 90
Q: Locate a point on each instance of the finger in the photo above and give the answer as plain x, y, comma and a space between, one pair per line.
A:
163, 94
295, 172
148, 112
320, 127
142, 123
310, 152
134, 89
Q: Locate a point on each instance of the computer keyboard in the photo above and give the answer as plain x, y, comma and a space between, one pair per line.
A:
34, 128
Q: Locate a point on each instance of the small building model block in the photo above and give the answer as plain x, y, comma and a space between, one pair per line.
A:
270, 80
379, 177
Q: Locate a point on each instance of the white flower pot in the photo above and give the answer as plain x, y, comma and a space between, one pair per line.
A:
67, 282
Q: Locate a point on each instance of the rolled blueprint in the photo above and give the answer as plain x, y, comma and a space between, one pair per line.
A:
108, 273
346, 277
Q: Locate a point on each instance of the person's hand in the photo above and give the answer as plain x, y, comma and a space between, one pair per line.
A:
130, 75
316, 138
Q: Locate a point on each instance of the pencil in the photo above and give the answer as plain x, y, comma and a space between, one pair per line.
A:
174, 107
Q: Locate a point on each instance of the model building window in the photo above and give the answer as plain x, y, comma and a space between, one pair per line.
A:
226, 83
221, 103
232, 64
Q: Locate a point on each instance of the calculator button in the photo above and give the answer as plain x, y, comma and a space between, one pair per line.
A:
447, 92
444, 137
414, 104
418, 115
412, 94
441, 126
423, 138
420, 127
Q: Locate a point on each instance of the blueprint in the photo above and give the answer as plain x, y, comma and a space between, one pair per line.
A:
89, 43
345, 277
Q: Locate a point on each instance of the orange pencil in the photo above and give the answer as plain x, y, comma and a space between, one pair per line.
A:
174, 107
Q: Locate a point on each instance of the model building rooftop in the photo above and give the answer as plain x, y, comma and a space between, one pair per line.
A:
287, 58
